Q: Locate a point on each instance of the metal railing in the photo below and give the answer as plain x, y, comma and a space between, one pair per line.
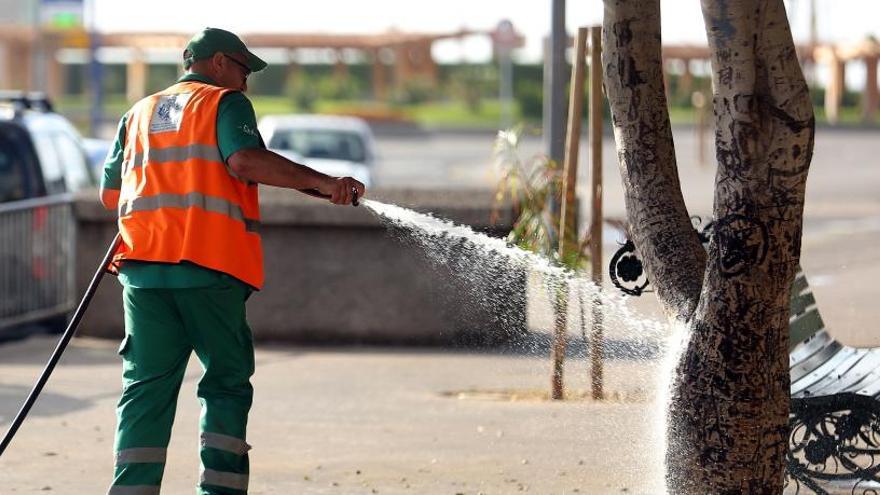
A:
37, 259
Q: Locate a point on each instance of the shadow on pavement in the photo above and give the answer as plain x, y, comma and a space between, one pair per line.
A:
37, 350
49, 403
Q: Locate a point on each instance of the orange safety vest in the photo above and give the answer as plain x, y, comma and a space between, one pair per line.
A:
179, 201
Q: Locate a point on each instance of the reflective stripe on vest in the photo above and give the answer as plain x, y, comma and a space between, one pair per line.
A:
139, 455
178, 154
224, 478
134, 490
193, 199
208, 152
225, 442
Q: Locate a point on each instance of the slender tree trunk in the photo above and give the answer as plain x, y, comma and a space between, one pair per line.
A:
659, 222
729, 404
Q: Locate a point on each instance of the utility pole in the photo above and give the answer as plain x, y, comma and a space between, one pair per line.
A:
554, 86
554, 143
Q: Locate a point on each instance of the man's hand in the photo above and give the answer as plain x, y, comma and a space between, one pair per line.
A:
342, 189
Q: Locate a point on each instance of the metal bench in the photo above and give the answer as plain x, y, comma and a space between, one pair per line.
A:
834, 437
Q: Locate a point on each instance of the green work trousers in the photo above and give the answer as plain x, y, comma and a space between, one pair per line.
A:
162, 328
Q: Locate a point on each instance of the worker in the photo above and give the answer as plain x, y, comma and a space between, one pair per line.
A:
183, 176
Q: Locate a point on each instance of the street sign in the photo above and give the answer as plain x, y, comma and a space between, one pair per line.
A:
505, 37
61, 14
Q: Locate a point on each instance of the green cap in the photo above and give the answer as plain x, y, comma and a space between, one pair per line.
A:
212, 40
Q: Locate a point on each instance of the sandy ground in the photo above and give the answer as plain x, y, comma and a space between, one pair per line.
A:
351, 421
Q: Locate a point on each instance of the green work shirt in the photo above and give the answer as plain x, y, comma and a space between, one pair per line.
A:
236, 130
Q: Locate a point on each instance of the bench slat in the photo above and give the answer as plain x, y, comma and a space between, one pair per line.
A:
808, 347
847, 375
814, 374
815, 361
869, 385
861, 377
800, 282
800, 303
871, 388
805, 325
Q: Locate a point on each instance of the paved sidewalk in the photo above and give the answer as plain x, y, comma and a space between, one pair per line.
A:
348, 421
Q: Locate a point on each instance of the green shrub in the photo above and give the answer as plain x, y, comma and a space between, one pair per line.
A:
529, 95
414, 92
301, 89
338, 88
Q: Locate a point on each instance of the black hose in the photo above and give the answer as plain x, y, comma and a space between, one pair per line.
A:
62, 344
74, 323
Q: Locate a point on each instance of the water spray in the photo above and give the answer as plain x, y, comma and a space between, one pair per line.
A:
488, 267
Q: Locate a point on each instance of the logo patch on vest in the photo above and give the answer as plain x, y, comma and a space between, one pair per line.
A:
168, 113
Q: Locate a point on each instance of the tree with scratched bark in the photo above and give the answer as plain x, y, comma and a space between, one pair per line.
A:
729, 403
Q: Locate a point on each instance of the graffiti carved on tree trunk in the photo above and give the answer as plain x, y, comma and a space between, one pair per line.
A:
728, 411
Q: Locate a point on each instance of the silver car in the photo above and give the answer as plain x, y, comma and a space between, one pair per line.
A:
42, 159
334, 145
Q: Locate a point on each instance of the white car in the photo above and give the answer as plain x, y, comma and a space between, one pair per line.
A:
334, 145
96, 151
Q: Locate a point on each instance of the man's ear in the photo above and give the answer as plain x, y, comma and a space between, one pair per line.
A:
217, 61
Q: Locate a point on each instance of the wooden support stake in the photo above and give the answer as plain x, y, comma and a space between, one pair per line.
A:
835, 89
596, 220
870, 100
136, 77
568, 217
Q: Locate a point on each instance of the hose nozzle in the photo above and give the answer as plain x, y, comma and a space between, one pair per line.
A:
318, 194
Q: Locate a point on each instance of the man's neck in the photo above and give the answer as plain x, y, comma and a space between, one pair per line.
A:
190, 74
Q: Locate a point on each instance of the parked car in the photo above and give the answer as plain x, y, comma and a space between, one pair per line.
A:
41, 158
41, 152
96, 152
334, 145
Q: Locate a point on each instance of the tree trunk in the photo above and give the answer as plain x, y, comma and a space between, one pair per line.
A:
728, 411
